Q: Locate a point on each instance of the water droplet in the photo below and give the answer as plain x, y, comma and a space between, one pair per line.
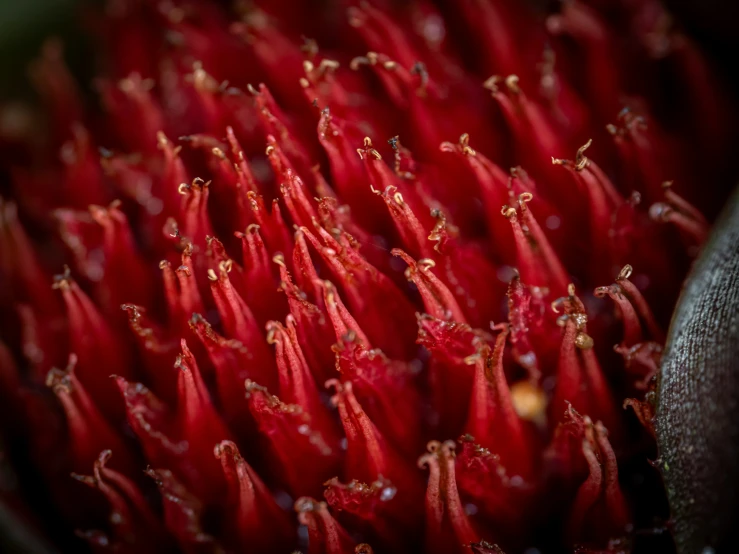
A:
553, 222
388, 493
470, 509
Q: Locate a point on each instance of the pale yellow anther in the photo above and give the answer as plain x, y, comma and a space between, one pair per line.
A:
271, 332
212, 275
584, 341
327, 65
581, 161
225, 266
491, 83
529, 401
279, 259
625, 272
512, 83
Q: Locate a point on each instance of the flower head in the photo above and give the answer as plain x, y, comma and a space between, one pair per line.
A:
298, 312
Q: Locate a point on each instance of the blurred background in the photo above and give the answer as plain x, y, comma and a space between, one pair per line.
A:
24, 24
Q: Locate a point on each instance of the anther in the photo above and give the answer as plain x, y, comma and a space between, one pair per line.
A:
625, 272
584, 341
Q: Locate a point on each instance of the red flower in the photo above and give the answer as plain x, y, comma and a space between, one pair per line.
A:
320, 326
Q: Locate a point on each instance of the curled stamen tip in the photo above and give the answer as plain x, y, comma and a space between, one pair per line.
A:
491, 83
472, 358
558, 161
525, 197
272, 328
306, 504
269, 150
183, 188
227, 448
357, 61
279, 259
625, 272
63, 281
581, 161
512, 83
225, 266
433, 446
338, 387
508, 211
584, 341
600, 292
328, 65
212, 275
252, 386
163, 264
